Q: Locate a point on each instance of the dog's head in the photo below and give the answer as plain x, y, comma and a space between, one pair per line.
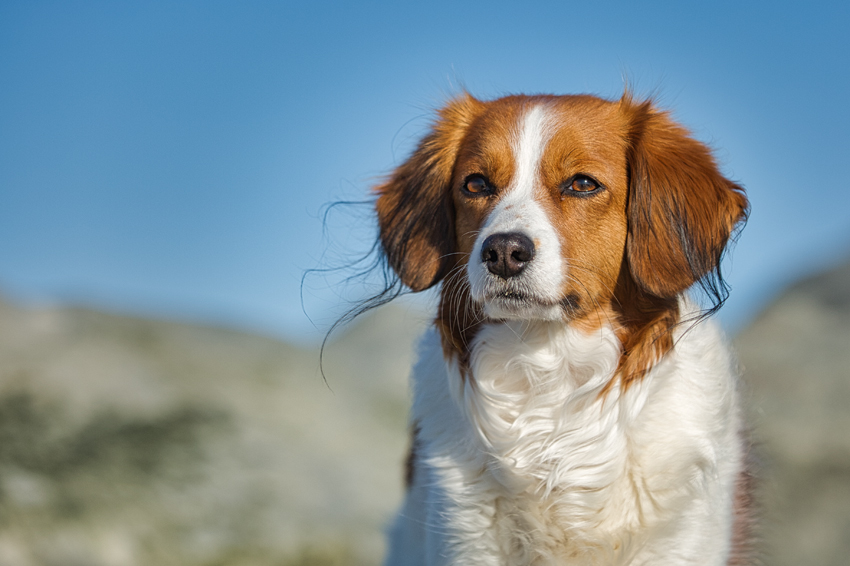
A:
566, 208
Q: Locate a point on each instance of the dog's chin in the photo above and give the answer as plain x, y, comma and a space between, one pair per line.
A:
517, 306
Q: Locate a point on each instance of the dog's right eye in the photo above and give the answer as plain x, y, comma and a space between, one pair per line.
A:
477, 185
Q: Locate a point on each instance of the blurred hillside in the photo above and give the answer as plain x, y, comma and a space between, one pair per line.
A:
135, 442
130, 442
796, 358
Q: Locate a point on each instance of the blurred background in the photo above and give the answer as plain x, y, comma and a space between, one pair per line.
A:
165, 171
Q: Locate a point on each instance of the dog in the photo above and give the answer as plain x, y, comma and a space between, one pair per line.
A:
570, 403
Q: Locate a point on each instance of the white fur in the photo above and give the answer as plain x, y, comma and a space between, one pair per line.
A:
519, 211
528, 464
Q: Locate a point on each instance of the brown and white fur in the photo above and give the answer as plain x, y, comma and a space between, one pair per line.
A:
570, 406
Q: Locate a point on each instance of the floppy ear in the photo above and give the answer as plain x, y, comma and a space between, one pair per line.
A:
414, 207
681, 210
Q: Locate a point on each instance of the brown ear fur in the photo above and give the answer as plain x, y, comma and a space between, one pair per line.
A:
681, 210
414, 206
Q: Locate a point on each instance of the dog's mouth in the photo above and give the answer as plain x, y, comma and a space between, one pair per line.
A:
516, 304
510, 295
513, 296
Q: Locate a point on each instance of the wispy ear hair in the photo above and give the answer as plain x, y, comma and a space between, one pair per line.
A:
682, 212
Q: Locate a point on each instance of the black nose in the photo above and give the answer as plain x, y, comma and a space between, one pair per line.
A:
506, 255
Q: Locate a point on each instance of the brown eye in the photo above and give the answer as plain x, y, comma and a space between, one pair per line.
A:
477, 185
581, 185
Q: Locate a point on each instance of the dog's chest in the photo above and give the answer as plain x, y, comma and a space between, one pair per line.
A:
528, 458
543, 531
525, 440
533, 398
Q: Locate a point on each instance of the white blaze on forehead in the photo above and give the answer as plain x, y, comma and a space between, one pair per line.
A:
517, 205
518, 212
528, 150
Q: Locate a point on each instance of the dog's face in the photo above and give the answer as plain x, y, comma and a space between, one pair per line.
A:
557, 208
539, 192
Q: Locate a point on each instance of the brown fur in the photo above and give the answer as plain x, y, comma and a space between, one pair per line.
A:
681, 209
412, 453
458, 319
414, 210
745, 509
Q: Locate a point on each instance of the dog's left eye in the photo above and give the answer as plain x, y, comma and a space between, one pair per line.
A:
581, 185
477, 185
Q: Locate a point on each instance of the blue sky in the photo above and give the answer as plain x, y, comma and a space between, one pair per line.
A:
173, 158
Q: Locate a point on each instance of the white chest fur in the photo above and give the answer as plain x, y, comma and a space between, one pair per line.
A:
529, 462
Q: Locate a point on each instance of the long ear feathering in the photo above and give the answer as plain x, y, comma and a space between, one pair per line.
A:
414, 207
681, 211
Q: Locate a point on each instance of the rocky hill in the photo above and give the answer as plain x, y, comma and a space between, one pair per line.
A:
130, 442
796, 358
